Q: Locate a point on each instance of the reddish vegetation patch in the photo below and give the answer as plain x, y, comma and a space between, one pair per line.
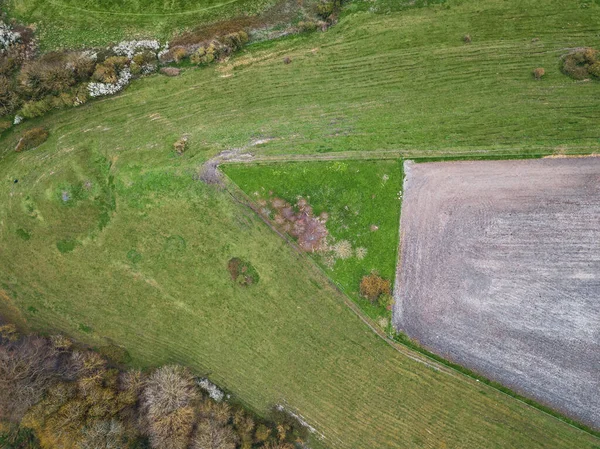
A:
299, 221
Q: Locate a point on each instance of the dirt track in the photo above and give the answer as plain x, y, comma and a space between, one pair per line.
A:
500, 272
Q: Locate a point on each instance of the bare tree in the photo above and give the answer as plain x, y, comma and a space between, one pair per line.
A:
210, 434
27, 369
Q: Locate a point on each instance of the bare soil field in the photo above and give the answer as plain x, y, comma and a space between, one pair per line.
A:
500, 272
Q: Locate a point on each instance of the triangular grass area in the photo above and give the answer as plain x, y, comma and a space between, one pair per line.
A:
361, 199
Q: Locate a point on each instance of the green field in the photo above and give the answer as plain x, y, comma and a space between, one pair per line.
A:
106, 235
77, 24
356, 195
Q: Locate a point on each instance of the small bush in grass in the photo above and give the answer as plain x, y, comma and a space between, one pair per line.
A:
343, 249
32, 138
287, 60
582, 63
467, 39
242, 272
539, 73
373, 286
180, 145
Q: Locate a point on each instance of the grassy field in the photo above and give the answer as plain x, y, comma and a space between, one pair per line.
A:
76, 24
356, 195
107, 237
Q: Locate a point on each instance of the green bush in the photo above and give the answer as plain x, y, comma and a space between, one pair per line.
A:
37, 108
581, 63
325, 9
32, 138
205, 55
308, 26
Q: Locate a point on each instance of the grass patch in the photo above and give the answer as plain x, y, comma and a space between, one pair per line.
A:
362, 201
66, 246
22, 233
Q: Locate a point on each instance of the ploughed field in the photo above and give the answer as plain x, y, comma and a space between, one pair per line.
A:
500, 272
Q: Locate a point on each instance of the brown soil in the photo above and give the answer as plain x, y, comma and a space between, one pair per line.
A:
500, 272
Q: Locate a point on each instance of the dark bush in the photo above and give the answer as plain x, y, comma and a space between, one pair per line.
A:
242, 272
50, 75
32, 138
81, 65
581, 63
373, 286
9, 99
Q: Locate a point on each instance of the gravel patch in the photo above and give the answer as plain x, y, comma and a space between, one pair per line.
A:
500, 272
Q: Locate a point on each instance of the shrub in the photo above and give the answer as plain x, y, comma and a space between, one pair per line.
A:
287, 60
308, 26
180, 145
4, 125
179, 54
467, 39
82, 65
539, 73
52, 74
145, 57
108, 72
32, 138
8, 97
242, 272
343, 249
581, 63
325, 9
33, 109
373, 286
